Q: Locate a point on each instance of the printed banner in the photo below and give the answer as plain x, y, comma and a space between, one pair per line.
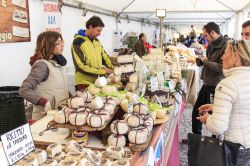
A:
52, 16
14, 21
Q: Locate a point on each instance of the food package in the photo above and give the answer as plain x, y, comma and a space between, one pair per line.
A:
116, 140
93, 158
59, 157
119, 127
101, 82
53, 150
73, 146
39, 154
27, 161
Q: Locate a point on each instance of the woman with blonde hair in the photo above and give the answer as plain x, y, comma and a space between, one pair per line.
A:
46, 85
231, 109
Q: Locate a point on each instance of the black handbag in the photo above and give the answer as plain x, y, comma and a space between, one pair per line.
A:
208, 151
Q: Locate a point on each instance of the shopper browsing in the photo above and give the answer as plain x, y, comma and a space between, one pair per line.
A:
232, 99
46, 85
211, 72
89, 57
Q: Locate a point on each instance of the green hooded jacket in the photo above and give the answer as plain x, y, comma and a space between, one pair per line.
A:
89, 58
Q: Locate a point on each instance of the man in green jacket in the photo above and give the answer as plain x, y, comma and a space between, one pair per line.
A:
89, 57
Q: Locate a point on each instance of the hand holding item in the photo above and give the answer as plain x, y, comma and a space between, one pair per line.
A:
203, 118
205, 108
47, 107
108, 71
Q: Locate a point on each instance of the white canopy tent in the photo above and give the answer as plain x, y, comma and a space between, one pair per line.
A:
179, 12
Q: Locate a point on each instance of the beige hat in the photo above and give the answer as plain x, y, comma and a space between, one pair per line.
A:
242, 47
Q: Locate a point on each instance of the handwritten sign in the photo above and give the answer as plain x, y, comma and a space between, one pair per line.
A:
52, 16
17, 143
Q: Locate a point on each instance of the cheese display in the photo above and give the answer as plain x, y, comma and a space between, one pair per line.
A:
97, 102
73, 146
138, 135
27, 161
76, 156
119, 127
116, 140
78, 118
141, 108
116, 152
76, 102
87, 96
96, 120
53, 149
101, 82
39, 154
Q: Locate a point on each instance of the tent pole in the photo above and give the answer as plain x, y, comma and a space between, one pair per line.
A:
161, 26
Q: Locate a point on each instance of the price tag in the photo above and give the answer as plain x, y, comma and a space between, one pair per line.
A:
130, 107
154, 84
171, 85
17, 143
143, 90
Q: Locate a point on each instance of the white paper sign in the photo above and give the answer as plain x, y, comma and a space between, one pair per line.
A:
21, 3
17, 143
130, 107
154, 84
52, 16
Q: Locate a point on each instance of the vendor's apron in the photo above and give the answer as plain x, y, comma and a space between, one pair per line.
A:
54, 89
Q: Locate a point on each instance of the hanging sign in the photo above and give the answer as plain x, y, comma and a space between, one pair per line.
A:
17, 143
52, 16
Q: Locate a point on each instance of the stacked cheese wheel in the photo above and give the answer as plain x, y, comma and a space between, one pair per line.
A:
118, 128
